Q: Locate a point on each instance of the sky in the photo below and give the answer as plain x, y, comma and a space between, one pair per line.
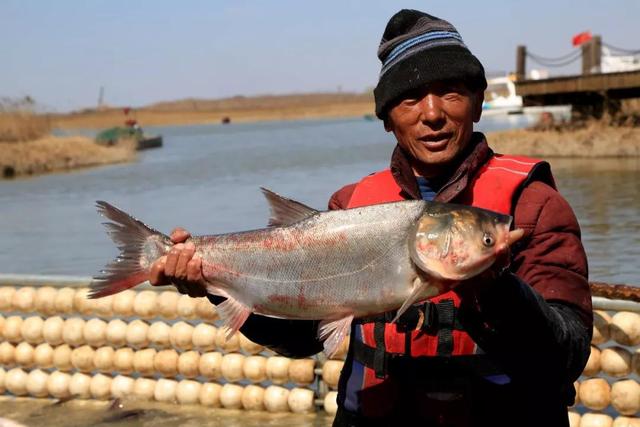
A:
61, 52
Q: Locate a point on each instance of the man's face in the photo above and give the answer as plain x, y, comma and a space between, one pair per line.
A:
434, 125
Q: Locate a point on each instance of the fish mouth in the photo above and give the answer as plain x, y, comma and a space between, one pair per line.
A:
437, 141
514, 236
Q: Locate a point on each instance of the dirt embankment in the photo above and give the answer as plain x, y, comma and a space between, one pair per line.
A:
27, 148
616, 135
595, 140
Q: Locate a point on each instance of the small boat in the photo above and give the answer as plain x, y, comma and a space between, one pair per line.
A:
500, 97
149, 142
112, 135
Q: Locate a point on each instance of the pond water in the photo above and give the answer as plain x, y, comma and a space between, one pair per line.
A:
207, 179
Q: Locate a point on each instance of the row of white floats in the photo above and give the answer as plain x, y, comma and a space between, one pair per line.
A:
597, 394
615, 361
39, 383
623, 327
94, 349
137, 333
77, 331
601, 420
232, 367
144, 304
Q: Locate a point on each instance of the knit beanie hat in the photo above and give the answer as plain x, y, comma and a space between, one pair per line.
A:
417, 49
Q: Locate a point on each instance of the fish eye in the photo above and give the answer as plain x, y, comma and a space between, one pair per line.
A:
488, 240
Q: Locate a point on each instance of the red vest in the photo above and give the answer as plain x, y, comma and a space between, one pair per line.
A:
494, 187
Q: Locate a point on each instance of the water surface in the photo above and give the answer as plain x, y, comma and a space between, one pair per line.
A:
207, 179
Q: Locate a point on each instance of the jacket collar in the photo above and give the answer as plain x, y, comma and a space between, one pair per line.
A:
471, 161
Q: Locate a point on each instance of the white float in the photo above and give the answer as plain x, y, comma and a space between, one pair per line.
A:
301, 400
231, 396
625, 397
210, 365
95, 332
165, 390
595, 393
188, 392
253, 398
625, 328
188, 364
276, 399
144, 304
210, 394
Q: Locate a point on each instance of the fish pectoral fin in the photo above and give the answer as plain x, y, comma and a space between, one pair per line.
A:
333, 332
233, 314
419, 292
285, 211
214, 289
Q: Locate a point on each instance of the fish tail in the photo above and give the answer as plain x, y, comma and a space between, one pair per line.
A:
139, 244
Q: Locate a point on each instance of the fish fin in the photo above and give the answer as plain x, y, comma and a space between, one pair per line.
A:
285, 211
215, 290
419, 286
139, 246
233, 314
333, 333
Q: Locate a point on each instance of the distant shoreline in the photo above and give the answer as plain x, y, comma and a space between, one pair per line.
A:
236, 110
50, 154
596, 140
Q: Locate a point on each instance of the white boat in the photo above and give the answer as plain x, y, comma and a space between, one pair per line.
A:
500, 97
610, 63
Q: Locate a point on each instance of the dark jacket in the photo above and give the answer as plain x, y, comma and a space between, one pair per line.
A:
535, 321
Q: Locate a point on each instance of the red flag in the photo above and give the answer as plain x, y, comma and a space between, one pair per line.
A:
583, 37
126, 110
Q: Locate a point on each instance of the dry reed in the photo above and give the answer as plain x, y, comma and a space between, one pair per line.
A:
51, 154
17, 126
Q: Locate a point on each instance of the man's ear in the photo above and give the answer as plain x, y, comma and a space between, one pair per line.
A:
477, 105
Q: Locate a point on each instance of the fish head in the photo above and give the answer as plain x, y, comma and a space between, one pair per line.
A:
455, 242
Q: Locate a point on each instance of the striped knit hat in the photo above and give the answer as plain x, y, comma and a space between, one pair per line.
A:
417, 49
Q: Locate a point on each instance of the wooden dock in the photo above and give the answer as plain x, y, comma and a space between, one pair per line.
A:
591, 94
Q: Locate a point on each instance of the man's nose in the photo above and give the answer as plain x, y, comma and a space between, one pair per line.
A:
431, 109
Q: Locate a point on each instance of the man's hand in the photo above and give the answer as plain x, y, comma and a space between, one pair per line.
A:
180, 267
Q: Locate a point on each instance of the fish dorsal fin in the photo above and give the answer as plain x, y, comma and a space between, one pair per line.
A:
285, 211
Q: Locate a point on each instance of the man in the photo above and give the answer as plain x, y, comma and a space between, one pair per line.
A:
500, 349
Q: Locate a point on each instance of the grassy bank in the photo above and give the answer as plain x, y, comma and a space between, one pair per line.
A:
52, 154
27, 147
596, 140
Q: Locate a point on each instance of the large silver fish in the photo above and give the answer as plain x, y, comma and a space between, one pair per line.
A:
332, 266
